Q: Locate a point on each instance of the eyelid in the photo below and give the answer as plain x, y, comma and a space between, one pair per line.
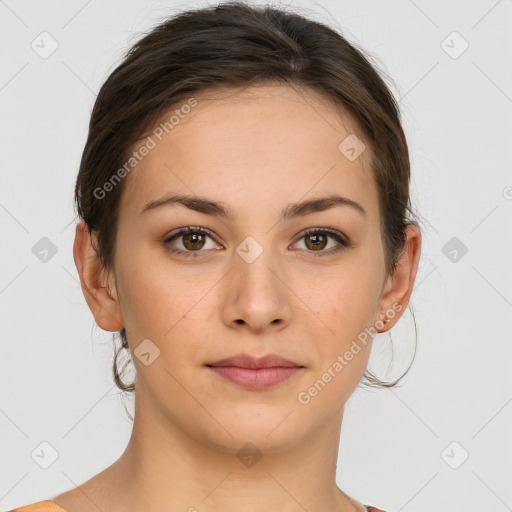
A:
334, 233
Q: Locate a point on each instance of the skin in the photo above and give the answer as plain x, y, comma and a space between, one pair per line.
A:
255, 151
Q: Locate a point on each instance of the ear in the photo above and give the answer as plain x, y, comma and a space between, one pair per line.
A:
399, 285
98, 287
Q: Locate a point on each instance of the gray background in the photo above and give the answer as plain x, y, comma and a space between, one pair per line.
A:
401, 449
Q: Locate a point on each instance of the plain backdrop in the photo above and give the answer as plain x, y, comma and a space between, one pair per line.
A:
441, 441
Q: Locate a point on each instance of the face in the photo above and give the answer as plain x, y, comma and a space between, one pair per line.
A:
253, 281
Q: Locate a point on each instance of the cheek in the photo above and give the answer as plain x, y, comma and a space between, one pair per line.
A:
168, 306
342, 355
347, 303
347, 307
156, 308
149, 298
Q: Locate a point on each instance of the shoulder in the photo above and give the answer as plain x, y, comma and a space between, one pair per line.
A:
369, 508
40, 506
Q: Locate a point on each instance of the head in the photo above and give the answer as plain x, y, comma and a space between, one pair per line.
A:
240, 114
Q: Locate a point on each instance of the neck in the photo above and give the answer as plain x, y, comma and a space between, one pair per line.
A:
165, 467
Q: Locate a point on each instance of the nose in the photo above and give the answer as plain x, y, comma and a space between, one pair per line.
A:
257, 296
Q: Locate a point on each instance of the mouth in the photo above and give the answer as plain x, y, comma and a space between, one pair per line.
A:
255, 373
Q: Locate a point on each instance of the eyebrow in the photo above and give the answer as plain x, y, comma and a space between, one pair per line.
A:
219, 209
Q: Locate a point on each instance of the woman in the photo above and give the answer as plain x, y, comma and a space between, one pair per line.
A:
245, 224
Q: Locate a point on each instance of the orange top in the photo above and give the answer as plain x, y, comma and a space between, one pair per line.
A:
40, 506
50, 506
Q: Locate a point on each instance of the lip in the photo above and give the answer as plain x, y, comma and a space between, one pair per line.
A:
248, 361
255, 373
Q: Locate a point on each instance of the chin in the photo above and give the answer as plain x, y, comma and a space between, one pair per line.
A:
268, 433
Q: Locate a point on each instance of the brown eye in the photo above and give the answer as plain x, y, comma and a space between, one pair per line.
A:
193, 241
316, 242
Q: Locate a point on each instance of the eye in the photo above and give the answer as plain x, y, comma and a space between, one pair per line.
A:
315, 240
193, 240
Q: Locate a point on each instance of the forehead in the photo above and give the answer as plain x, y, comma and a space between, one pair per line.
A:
264, 142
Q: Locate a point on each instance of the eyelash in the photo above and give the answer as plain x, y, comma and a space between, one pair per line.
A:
344, 242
